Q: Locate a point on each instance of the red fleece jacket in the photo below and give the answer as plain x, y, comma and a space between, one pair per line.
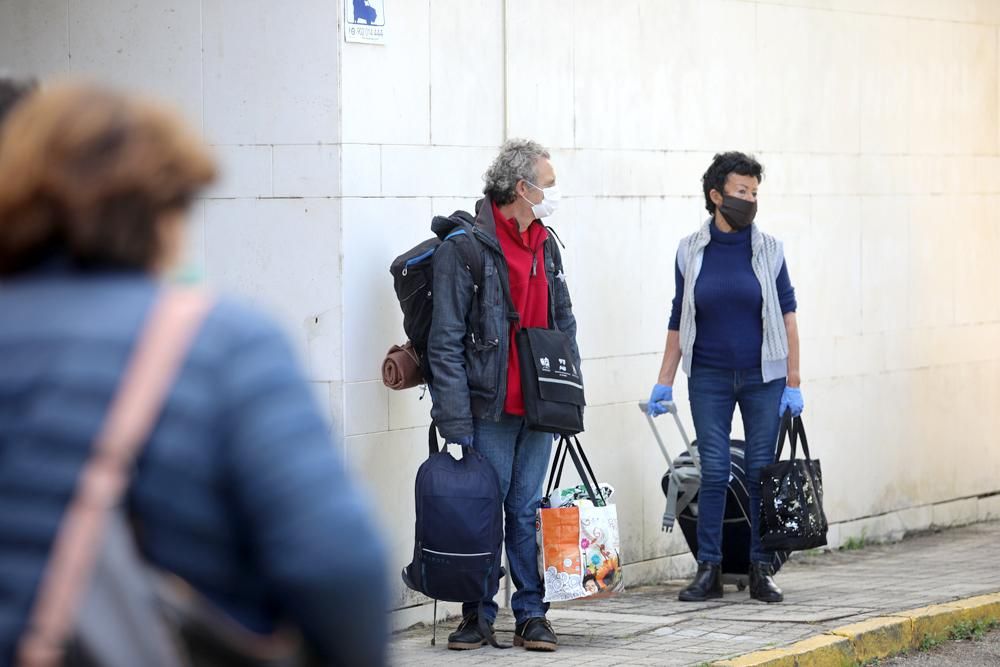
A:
529, 290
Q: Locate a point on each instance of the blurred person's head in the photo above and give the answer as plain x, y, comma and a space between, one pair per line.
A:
97, 177
13, 91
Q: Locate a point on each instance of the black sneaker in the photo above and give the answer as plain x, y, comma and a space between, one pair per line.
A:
467, 635
535, 634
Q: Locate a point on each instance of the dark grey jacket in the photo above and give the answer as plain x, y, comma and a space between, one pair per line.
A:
470, 371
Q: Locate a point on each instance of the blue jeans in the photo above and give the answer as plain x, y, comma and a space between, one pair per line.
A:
714, 394
521, 459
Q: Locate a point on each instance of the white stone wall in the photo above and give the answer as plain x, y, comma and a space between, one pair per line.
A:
877, 122
261, 82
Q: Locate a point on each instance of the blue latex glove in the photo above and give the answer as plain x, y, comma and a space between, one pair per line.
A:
661, 392
464, 442
791, 399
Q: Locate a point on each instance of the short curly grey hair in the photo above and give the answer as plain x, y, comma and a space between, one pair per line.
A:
515, 162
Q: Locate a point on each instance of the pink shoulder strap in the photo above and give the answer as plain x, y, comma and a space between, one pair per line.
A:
158, 356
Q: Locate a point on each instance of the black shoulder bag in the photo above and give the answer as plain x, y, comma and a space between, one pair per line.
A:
550, 379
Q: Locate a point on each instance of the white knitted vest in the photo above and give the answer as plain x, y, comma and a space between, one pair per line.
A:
766, 259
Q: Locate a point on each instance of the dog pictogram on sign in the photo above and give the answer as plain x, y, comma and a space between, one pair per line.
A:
364, 21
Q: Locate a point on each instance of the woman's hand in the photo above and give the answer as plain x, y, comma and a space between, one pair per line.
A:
791, 399
661, 392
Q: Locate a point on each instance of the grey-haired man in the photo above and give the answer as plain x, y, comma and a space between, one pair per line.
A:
477, 386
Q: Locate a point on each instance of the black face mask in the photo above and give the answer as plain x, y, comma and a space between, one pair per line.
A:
739, 213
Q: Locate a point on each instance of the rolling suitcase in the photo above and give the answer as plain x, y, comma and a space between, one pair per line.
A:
682, 502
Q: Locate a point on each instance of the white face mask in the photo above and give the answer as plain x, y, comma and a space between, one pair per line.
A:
549, 203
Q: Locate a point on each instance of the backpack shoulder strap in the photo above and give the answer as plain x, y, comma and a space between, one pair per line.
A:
469, 250
158, 355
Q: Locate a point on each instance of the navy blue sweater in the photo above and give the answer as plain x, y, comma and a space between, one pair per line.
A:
728, 303
240, 490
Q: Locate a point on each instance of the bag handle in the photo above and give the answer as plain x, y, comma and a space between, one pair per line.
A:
512, 315
593, 477
793, 428
555, 474
799, 432
432, 440
157, 358
788, 431
583, 468
586, 481
470, 253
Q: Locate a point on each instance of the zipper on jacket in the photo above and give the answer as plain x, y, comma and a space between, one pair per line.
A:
501, 381
504, 359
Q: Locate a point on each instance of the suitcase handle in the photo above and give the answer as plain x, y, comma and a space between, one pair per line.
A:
672, 409
669, 406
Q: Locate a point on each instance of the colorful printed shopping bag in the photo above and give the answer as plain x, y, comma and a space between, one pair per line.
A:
578, 545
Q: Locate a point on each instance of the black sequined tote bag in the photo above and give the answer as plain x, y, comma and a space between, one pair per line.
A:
791, 508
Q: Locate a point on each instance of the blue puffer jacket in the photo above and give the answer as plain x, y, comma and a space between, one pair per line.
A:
240, 490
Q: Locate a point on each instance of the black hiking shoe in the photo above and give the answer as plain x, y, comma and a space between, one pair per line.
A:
536, 634
468, 636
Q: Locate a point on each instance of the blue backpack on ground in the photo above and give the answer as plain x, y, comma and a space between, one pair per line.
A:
459, 530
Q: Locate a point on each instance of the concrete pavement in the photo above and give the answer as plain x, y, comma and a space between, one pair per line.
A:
824, 592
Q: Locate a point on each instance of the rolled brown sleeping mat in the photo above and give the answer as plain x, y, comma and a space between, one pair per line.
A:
401, 367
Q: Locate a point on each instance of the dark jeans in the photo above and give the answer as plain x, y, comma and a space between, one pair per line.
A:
714, 395
521, 459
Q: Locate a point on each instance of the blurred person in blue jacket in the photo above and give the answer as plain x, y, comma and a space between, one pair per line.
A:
239, 490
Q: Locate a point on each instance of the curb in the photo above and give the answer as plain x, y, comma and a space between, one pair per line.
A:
878, 637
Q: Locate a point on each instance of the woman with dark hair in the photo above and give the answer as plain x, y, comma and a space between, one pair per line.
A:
238, 490
733, 326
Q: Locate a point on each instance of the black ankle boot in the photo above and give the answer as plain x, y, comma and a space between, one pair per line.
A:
762, 586
707, 584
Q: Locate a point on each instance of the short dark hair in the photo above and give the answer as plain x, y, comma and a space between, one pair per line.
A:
13, 91
86, 172
723, 164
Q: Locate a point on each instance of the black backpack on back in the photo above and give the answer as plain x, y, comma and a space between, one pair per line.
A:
413, 276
